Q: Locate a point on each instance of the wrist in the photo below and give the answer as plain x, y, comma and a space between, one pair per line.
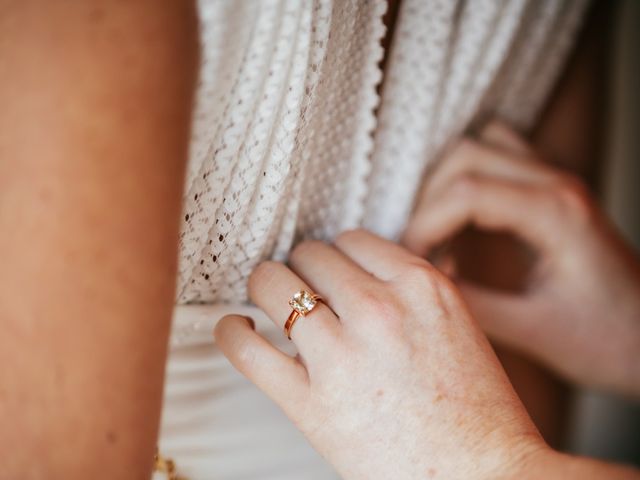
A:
541, 463
526, 461
545, 462
511, 457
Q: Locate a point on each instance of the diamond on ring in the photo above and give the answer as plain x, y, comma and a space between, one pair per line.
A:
303, 302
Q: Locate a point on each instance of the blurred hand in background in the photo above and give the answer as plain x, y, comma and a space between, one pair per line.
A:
580, 313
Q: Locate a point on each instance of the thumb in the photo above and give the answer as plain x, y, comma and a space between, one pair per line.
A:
488, 203
281, 377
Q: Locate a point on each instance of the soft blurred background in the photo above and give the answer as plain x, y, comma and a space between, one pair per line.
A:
607, 426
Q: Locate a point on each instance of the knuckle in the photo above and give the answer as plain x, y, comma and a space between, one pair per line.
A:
462, 155
422, 280
419, 276
496, 125
379, 304
573, 196
466, 186
466, 148
447, 292
498, 128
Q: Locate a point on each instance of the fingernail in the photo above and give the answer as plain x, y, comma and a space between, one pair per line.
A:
251, 322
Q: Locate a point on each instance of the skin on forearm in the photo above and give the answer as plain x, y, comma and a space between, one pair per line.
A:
94, 125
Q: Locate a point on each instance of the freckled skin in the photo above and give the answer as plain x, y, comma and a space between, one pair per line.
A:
407, 382
394, 378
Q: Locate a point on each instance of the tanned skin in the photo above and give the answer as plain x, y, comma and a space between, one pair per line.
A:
95, 100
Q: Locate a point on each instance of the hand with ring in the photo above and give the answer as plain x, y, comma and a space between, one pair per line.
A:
580, 313
394, 378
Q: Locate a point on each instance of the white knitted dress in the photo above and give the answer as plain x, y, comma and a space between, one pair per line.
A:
292, 141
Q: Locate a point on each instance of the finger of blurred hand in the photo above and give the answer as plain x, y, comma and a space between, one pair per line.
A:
501, 135
470, 157
486, 202
282, 378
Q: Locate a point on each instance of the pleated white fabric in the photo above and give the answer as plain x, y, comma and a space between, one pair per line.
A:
217, 425
292, 141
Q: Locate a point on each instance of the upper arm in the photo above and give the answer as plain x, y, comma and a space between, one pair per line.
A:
95, 102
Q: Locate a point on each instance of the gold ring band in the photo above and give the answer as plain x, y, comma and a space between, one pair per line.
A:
290, 322
302, 303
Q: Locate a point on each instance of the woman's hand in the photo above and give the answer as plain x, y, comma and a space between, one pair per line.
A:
581, 311
395, 380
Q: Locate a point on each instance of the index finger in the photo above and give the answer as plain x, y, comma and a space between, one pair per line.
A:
490, 203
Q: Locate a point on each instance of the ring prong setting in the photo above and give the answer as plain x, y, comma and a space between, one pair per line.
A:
303, 302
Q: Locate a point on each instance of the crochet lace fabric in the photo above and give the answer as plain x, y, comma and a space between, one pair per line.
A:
286, 144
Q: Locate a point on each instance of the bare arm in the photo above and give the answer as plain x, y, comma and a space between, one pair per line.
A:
95, 106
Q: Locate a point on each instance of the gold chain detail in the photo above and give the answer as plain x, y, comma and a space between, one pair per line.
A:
166, 466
